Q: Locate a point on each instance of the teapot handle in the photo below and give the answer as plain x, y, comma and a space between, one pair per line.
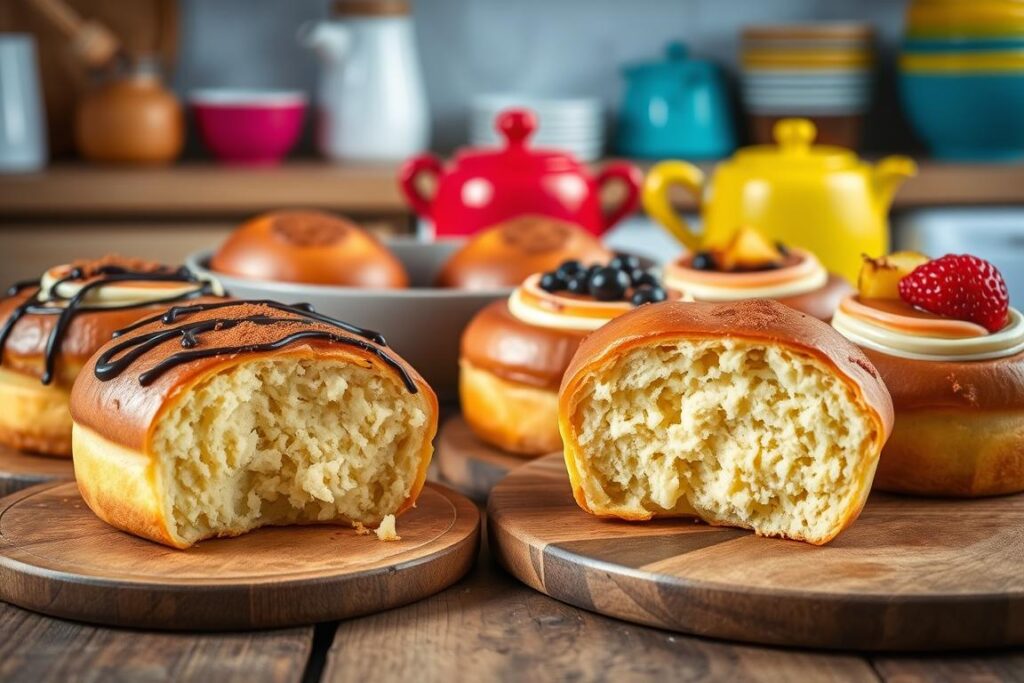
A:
408, 174
630, 176
657, 204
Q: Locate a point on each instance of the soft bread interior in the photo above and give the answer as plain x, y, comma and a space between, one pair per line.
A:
749, 435
285, 441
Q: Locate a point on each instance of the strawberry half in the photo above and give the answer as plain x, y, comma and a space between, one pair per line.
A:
959, 286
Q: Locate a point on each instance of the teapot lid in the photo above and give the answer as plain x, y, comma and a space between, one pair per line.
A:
795, 147
677, 63
516, 126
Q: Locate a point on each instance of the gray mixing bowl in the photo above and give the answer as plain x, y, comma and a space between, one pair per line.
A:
422, 323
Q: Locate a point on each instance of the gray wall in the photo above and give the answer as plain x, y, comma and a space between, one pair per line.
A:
532, 46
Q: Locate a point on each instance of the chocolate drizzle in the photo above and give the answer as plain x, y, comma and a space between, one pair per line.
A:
119, 357
75, 305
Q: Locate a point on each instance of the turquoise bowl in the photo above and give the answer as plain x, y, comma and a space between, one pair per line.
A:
968, 116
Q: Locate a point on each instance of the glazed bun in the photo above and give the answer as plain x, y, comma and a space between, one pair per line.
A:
310, 247
504, 255
215, 420
50, 327
744, 414
509, 372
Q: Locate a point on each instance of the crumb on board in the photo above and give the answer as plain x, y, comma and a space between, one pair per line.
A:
386, 531
360, 529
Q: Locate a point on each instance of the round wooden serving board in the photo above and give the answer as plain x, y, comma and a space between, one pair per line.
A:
469, 464
910, 574
57, 558
20, 470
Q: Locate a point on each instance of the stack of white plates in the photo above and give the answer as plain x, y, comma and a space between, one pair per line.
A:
574, 125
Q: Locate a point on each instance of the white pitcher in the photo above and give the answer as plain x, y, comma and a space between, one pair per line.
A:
372, 102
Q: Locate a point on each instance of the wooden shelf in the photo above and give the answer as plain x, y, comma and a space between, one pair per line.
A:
193, 190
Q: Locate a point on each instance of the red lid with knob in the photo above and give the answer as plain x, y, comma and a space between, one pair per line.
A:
483, 187
516, 126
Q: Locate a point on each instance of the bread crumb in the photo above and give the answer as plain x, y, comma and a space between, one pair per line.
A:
360, 529
386, 531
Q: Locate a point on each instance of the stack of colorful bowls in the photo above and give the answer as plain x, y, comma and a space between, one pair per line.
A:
819, 71
962, 77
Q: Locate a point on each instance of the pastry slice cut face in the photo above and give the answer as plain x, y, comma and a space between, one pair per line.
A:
213, 420
746, 414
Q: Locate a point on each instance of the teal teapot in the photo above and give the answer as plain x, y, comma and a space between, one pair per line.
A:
675, 107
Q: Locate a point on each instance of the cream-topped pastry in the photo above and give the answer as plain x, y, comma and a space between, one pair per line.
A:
515, 352
750, 267
911, 333
534, 306
51, 325
951, 351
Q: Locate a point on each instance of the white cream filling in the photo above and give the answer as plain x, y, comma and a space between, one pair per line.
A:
1006, 342
559, 321
122, 293
815, 278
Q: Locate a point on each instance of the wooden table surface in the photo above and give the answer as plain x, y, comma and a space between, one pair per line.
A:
486, 627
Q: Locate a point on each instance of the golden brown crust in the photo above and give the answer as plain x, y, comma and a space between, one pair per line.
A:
499, 342
954, 452
517, 418
125, 412
996, 384
758, 320
87, 332
34, 417
504, 255
312, 247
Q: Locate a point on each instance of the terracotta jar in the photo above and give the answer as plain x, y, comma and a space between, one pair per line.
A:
131, 119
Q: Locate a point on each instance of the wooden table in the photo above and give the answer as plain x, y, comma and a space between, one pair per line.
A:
486, 627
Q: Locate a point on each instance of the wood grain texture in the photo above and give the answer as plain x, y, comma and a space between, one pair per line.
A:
469, 465
911, 574
20, 470
489, 627
43, 650
57, 558
205, 189
951, 669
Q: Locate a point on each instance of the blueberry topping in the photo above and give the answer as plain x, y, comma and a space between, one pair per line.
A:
703, 260
624, 262
577, 285
608, 284
648, 295
552, 282
568, 269
641, 277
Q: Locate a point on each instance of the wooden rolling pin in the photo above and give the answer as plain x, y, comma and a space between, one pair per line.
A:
91, 42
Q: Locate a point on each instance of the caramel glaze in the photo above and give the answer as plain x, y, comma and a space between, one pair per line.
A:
996, 384
514, 350
135, 377
52, 323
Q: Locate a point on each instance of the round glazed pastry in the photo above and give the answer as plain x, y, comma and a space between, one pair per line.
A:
956, 377
49, 328
215, 419
750, 268
311, 247
504, 255
746, 414
514, 352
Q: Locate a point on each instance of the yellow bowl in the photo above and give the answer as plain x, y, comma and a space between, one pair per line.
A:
963, 62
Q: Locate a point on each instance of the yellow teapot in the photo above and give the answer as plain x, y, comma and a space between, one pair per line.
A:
822, 198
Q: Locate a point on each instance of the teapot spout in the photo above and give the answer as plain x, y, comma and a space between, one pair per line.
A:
329, 41
889, 174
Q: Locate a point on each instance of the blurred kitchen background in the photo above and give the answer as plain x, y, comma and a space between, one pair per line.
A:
601, 72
